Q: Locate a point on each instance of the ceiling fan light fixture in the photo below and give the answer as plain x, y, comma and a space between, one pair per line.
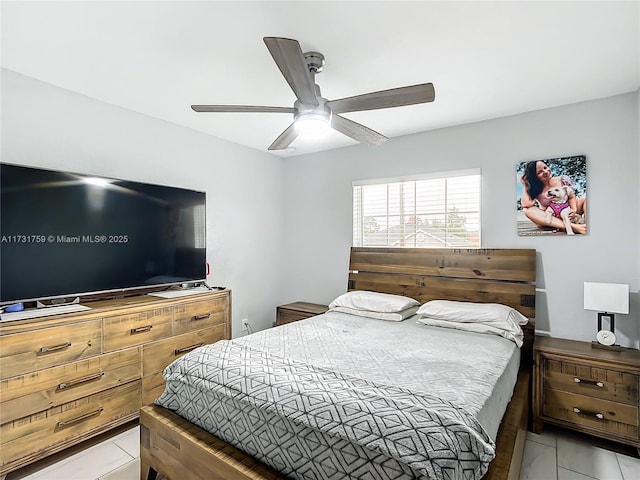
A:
313, 124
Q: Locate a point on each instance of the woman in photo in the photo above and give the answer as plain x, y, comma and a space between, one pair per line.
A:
537, 180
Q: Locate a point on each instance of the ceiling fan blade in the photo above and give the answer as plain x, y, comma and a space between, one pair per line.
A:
285, 138
394, 97
357, 131
288, 56
241, 108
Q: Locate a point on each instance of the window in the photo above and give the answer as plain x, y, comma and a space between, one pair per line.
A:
429, 211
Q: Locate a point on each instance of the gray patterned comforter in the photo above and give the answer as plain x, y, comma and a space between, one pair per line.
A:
312, 415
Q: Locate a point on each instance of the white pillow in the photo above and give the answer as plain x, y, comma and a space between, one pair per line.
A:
373, 302
514, 334
493, 318
471, 312
393, 317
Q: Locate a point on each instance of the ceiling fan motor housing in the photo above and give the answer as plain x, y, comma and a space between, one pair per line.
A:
315, 61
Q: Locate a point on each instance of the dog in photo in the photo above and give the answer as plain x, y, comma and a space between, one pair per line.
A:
559, 206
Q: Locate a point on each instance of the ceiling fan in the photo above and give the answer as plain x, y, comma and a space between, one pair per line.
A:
312, 112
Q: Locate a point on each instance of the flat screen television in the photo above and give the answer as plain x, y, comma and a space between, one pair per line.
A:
66, 234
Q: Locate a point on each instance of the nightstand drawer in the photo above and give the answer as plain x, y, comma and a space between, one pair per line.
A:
287, 316
605, 384
598, 414
292, 312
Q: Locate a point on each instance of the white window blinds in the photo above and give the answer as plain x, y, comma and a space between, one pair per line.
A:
430, 211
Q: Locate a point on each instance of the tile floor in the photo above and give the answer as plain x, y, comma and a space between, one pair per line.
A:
553, 455
558, 454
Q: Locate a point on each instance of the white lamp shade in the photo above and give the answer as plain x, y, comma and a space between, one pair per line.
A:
606, 297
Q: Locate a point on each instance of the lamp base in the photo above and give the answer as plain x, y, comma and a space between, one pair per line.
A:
612, 320
613, 348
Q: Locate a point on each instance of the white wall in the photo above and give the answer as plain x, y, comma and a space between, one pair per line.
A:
45, 126
280, 230
318, 198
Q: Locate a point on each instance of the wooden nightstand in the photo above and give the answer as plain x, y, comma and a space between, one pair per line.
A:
586, 389
292, 312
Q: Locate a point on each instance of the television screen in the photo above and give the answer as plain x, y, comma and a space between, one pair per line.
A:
66, 234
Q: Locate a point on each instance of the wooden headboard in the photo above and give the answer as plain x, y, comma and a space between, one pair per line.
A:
504, 276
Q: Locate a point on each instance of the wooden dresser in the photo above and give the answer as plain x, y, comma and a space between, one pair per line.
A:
66, 378
587, 389
292, 312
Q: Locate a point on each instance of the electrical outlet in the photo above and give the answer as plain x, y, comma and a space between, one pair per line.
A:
245, 325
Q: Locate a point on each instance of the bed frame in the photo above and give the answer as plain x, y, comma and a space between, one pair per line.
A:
180, 450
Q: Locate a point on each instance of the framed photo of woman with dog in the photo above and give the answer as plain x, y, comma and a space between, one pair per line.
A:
552, 196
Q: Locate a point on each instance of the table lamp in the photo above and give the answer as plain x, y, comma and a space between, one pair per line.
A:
607, 299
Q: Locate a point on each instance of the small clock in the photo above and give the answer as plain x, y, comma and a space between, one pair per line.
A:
606, 337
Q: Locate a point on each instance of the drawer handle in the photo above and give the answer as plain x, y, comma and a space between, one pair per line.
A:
146, 328
81, 418
187, 349
201, 317
588, 382
73, 383
587, 413
55, 348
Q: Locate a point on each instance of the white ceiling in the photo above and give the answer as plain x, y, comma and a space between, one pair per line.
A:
485, 59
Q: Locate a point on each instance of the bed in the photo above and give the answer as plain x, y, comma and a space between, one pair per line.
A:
177, 448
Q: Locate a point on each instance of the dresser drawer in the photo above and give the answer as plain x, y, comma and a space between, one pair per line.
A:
603, 415
45, 429
137, 328
28, 394
200, 314
29, 351
157, 355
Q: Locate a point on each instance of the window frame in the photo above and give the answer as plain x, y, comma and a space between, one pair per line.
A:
445, 175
